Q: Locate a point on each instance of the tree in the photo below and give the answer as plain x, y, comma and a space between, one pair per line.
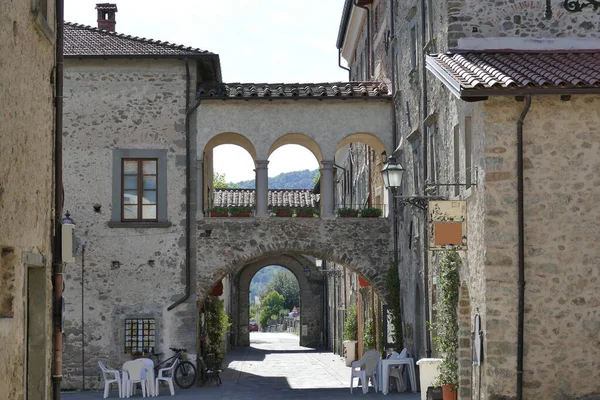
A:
286, 284
270, 308
220, 181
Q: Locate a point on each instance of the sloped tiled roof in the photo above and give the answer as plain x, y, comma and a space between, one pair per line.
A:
510, 73
86, 41
274, 91
277, 197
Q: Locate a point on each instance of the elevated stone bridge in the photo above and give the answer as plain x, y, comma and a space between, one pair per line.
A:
226, 245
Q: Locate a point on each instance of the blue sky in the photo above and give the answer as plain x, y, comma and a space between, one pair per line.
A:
257, 41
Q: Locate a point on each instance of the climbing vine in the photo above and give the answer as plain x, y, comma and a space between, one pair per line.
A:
369, 335
446, 325
351, 324
393, 286
217, 324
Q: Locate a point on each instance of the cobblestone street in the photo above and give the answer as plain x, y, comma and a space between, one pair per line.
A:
274, 367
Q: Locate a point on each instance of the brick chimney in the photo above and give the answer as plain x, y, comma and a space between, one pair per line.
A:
106, 16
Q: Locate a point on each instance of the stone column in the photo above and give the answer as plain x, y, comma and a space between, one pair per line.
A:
327, 189
262, 188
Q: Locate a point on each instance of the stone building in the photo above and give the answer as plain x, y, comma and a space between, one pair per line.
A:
28, 81
142, 118
125, 122
500, 98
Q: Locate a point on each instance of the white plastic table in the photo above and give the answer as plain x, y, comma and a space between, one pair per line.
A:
150, 378
384, 372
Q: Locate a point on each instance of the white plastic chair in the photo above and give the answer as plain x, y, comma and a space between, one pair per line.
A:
134, 372
365, 369
166, 374
106, 371
397, 372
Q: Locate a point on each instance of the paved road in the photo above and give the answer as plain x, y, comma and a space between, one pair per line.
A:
273, 367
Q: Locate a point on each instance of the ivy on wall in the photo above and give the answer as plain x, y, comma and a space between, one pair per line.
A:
446, 324
217, 324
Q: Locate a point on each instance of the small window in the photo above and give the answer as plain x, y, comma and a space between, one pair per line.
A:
468, 153
413, 46
139, 189
416, 158
432, 158
140, 335
456, 159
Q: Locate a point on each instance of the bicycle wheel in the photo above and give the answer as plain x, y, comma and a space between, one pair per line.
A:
185, 375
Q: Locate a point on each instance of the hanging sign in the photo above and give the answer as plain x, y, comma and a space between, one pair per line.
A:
447, 225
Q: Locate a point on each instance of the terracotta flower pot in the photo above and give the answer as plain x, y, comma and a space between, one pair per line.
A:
284, 213
449, 392
218, 214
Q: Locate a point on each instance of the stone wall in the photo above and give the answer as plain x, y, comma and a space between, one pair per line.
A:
26, 196
519, 19
128, 272
225, 245
561, 192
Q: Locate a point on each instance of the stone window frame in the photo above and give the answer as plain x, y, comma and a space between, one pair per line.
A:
415, 142
468, 150
430, 124
413, 37
118, 156
120, 340
43, 21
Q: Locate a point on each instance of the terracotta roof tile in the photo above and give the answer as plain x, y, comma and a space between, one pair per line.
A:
503, 71
82, 40
276, 197
294, 90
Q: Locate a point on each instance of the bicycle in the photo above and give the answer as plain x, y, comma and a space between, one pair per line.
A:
184, 374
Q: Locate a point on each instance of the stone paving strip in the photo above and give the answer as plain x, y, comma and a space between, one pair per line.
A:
274, 367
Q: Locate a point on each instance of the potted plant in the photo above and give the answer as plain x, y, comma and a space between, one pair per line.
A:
307, 212
138, 354
370, 213
446, 324
350, 334
346, 212
240, 211
282, 212
219, 212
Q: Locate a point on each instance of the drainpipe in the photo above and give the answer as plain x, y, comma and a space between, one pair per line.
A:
341, 66
521, 234
394, 118
425, 162
369, 38
57, 264
82, 315
188, 175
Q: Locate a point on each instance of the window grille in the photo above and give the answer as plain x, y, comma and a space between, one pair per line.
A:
140, 335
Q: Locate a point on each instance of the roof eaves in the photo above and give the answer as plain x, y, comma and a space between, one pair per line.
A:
447, 79
344, 24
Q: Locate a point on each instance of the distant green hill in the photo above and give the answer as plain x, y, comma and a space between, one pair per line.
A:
286, 180
261, 279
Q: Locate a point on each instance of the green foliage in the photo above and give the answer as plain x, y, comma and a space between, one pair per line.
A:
239, 209
446, 325
286, 284
220, 210
220, 182
347, 212
369, 335
217, 324
307, 210
286, 180
261, 279
270, 307
370, 212
316, 178
393, 286
351, 324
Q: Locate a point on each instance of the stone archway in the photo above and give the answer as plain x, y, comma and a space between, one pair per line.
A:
311, 299
226, 245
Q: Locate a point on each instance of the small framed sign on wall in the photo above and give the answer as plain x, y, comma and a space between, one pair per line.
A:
447, 225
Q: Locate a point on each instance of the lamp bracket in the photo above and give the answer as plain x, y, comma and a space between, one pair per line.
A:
421, 202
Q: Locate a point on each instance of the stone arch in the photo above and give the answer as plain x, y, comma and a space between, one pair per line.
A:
231, 138
311, 298
364, 137
464, 341
299, 139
